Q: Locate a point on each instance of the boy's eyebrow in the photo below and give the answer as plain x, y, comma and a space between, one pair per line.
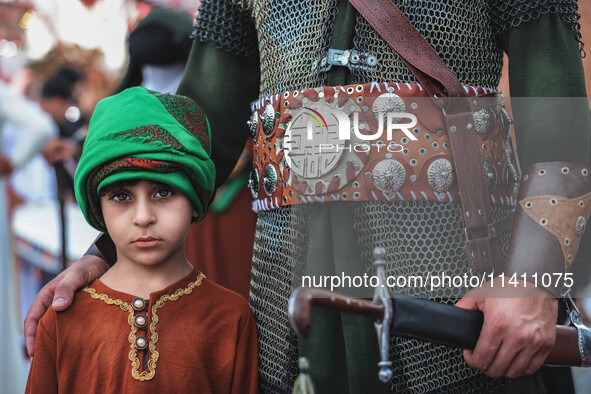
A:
161, 184
112, 189
118, 187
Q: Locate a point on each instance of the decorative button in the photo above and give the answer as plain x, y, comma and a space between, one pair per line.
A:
253, 183
507, 123
440, 175
268, 118
387, 102
141, 343
580, 226
270, 179
253, 124
140, 321
512, 178
389, 176
491, 175
138, 304
484, 119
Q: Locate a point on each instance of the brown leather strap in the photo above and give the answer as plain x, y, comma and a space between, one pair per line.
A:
411, 46
500, 226
481, 251
439, 80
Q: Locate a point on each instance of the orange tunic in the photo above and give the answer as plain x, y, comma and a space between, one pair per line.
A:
201, 338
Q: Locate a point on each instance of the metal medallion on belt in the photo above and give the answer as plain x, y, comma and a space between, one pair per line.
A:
318, 158
314, 127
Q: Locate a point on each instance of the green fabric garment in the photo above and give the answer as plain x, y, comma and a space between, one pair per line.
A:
141, 134
228, 191
544, 62
343, 347
224, 97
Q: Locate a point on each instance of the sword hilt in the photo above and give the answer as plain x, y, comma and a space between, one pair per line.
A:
382, 296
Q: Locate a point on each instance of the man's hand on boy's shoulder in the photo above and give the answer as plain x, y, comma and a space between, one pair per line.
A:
59, 293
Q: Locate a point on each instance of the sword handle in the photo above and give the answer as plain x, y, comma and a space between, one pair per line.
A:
566, 347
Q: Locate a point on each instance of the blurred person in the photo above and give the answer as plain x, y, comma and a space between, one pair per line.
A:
35, 181
35, 128
59, 98
158, 50
60, 92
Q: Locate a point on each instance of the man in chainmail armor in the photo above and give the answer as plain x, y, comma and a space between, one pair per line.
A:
283, 43
269, 51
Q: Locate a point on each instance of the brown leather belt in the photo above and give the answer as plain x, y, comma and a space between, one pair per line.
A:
299, 155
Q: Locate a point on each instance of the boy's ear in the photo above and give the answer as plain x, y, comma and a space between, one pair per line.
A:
195, 213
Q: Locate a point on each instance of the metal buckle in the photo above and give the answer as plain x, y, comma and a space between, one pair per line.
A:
337, 57
480, 230
350, 58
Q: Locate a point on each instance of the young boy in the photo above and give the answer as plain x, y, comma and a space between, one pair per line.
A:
151, 323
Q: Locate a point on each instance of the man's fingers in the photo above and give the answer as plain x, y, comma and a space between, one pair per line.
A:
486, 348
88, 268
64, 292
30, 342
509, 357
36, 311
531, 358
516, 336
62, 299
536, 362
512, 360
60, 293
468, 303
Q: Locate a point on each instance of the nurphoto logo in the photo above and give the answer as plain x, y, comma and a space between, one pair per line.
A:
322, 128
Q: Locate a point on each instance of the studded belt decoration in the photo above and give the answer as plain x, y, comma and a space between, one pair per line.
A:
375, 141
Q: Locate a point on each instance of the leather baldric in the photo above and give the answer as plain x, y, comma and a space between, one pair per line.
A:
444, 86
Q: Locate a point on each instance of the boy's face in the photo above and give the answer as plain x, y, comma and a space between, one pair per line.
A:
148, 221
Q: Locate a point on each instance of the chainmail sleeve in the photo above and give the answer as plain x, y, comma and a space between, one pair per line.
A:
227, 26
507, 14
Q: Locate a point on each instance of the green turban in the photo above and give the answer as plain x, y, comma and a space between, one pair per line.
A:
142, 134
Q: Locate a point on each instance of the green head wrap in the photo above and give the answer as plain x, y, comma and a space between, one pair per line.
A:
141, 134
